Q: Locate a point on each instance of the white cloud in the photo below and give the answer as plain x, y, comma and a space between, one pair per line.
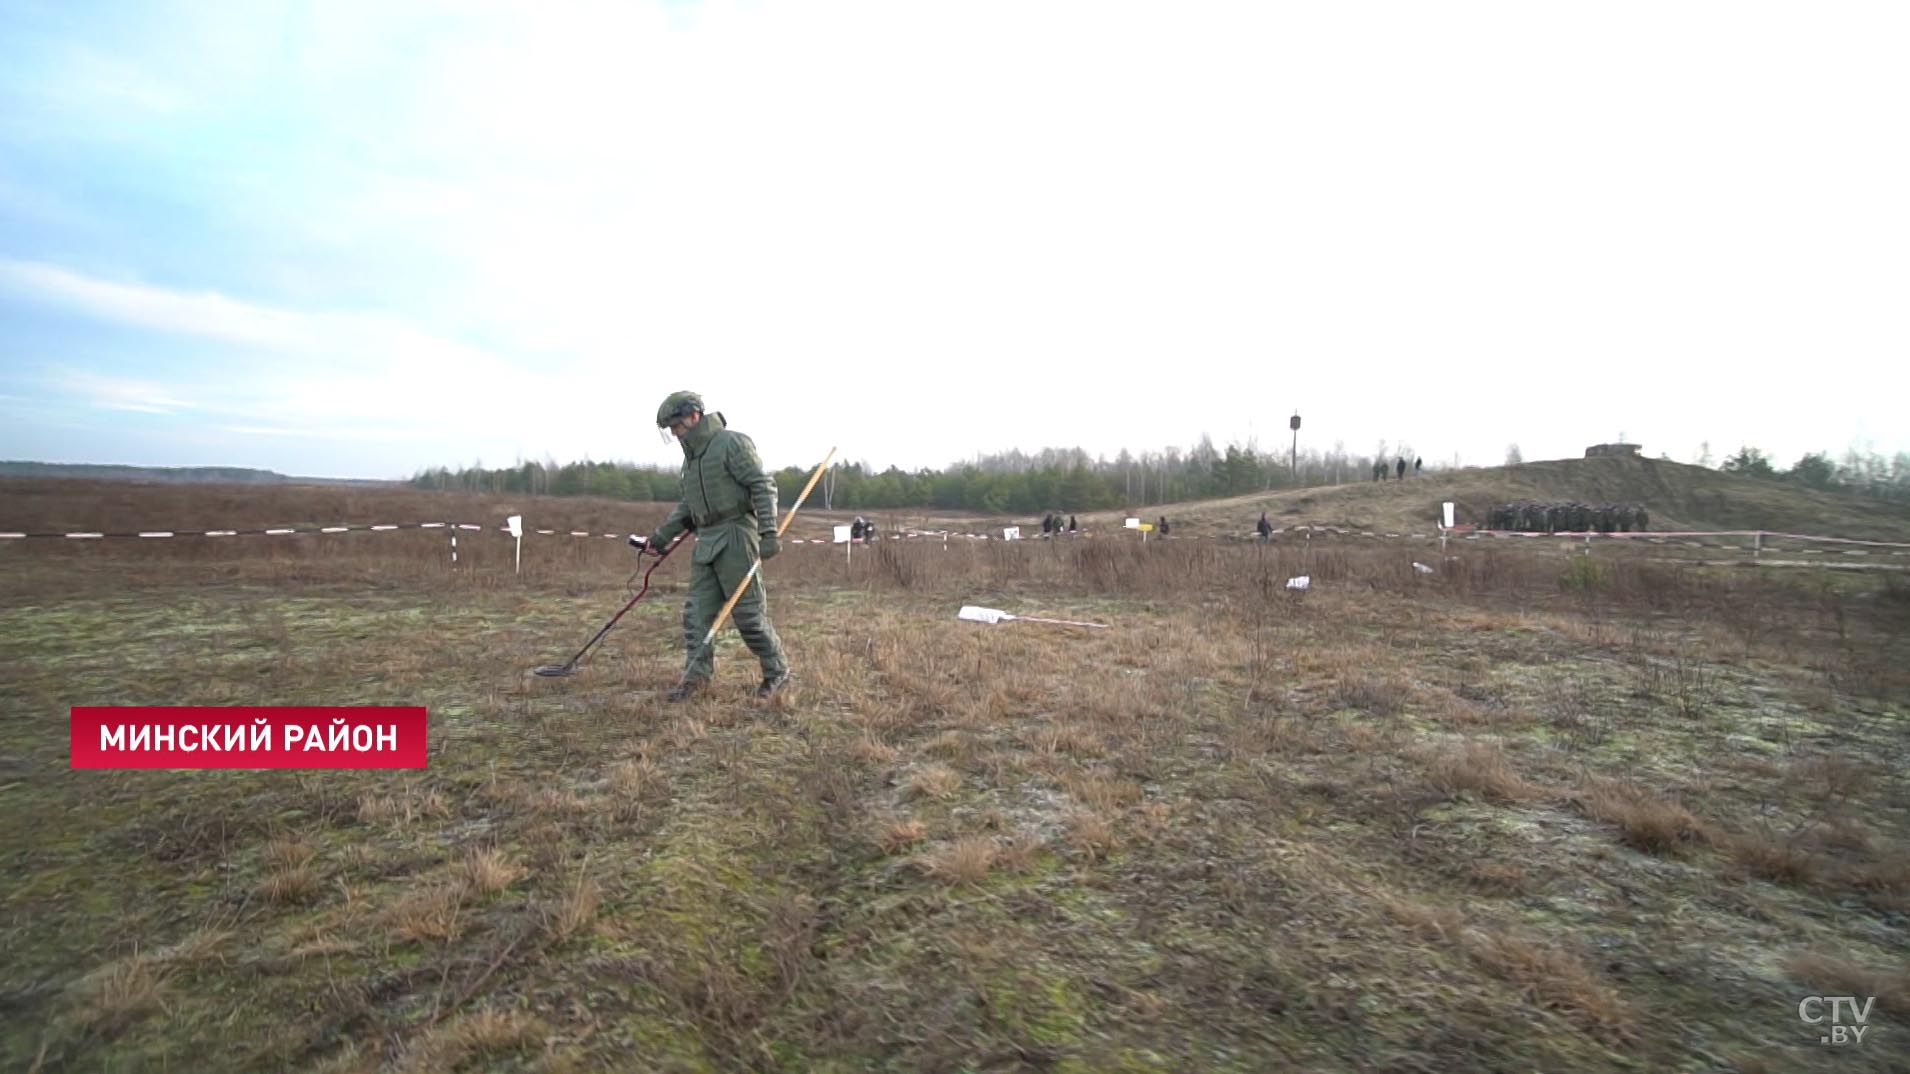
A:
313, 374
205, 313
120, 393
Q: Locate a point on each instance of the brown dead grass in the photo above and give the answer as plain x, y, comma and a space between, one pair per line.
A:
1101, 791
871, 750
122, 992
1009, 848
953, 746
1771, 857
968, 860
404, 808
933, 781
576, 909
897, 836
289, 851
489, 869
1480, 768
1068, 738
1499, 878
1090, 834
289, 884
1559, 980
486, 1033
204, 945
1885, 881
1835, 975
629, 779
430, 913
1644, 821
1444, 923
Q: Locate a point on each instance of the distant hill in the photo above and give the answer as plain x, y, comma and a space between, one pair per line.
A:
171, 475
1676, 495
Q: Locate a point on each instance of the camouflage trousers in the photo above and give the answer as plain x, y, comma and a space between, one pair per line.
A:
710, 587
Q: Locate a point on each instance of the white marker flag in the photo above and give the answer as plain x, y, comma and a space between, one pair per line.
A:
975, 614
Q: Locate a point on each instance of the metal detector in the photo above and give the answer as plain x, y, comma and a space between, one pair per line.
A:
558, 671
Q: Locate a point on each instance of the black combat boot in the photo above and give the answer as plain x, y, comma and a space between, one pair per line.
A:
684, 690
773, 683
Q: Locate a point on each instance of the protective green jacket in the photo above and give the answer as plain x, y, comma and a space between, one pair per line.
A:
728, 499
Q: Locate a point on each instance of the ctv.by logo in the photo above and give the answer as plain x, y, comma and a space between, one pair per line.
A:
1847, 1021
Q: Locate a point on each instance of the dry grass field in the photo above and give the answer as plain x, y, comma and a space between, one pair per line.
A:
1536, 810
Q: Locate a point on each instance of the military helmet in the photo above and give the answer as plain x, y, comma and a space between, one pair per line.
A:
678, 405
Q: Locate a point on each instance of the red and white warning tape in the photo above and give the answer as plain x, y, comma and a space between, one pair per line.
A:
1693, 538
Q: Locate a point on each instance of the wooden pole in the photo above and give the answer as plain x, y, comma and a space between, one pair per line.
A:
730, 606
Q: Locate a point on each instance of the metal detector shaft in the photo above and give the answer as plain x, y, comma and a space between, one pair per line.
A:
730, 605
554, 670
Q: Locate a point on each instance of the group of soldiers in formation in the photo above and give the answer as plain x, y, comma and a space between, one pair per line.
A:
1527, 516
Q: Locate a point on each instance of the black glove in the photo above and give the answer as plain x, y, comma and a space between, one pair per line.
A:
772, 544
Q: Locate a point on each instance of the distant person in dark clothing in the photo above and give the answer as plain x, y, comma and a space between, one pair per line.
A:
1263, 527
1379, 470
1071, 526
1401, 472
1163, 526
1418, 467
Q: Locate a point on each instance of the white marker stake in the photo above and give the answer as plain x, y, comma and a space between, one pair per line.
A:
515, 524
848, 547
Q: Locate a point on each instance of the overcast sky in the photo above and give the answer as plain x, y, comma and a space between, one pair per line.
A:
359, 239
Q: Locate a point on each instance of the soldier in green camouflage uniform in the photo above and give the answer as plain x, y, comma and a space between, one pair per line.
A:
730, 503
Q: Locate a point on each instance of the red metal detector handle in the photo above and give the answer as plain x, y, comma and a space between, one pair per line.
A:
661, 556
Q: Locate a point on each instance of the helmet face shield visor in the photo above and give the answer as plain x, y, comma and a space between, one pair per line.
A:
679, 405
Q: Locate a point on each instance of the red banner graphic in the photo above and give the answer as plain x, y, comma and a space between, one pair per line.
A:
249, 736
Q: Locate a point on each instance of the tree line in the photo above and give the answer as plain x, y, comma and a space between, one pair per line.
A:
1068, 479
1864, 474
1011, 482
